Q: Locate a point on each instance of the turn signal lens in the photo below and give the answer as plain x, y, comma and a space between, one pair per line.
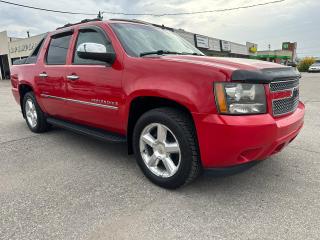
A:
221, 98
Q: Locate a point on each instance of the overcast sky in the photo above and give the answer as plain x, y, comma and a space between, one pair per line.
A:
291, 20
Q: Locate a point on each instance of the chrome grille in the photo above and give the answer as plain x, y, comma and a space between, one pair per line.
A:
284, 85
285, 105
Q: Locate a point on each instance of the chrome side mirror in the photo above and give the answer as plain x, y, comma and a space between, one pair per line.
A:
95, 51
91, 48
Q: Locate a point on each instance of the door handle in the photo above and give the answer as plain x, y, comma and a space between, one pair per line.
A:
73, 77
43, 75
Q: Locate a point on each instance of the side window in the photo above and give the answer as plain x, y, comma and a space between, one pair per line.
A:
58, 49
91, 36
34, 55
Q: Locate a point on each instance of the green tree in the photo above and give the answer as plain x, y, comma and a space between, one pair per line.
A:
305, 63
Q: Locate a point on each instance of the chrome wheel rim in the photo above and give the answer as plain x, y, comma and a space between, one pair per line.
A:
160, 150
31, 113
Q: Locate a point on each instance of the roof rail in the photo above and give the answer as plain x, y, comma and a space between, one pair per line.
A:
143, 22
83, 21
129, 20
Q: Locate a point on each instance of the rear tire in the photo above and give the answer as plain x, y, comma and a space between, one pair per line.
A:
33, 114
166, 147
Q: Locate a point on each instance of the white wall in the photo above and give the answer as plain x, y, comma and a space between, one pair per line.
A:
3, 43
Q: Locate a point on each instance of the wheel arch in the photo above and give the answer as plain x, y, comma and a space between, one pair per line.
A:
24, 88
141, 104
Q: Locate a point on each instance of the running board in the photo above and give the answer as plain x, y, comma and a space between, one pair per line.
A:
88, 131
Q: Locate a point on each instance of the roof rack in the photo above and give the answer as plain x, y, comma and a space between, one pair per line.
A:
129, 20
83, 21
139, 21
163, 27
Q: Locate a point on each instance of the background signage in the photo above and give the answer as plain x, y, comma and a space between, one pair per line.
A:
214, 44
225, 46
252, 47
285, 46
202, 41
23, 47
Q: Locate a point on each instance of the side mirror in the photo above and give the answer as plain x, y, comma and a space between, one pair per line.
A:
95, 51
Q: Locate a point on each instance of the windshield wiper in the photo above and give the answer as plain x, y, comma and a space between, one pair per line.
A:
194, 53
162, 52
159, 52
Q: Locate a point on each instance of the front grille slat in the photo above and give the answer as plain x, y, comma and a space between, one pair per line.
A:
283, 85
285, 105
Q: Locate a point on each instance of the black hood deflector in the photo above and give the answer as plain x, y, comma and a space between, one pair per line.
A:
266, 75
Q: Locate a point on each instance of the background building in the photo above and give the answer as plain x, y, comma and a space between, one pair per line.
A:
12, 49
287, 53
217, 47
278, 56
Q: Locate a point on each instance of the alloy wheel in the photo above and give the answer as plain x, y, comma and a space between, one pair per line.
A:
160, 150
31, 113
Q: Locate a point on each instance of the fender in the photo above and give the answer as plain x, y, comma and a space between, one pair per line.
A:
34, 89
166, 94
187, 85
169, 95
25, 82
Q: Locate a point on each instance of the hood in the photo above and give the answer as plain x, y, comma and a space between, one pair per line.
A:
242, 69
229, 63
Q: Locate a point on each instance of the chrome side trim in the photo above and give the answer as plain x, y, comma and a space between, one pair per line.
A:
80, 102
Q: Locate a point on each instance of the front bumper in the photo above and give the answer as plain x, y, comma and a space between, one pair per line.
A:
226, 141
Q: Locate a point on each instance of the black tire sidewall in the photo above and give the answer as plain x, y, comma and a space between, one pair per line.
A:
40, 116
180, 177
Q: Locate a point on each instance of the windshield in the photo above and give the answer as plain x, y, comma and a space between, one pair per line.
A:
138, 39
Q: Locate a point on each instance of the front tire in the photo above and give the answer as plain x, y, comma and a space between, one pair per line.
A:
33, 114
166, 147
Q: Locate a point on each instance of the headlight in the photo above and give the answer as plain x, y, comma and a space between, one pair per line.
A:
240, 98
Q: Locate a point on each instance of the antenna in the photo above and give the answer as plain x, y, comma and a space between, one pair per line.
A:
100, 15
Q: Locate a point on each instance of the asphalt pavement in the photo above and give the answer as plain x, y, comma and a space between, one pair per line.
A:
60, 185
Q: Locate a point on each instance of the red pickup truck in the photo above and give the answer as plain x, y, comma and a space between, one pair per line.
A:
179, 111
